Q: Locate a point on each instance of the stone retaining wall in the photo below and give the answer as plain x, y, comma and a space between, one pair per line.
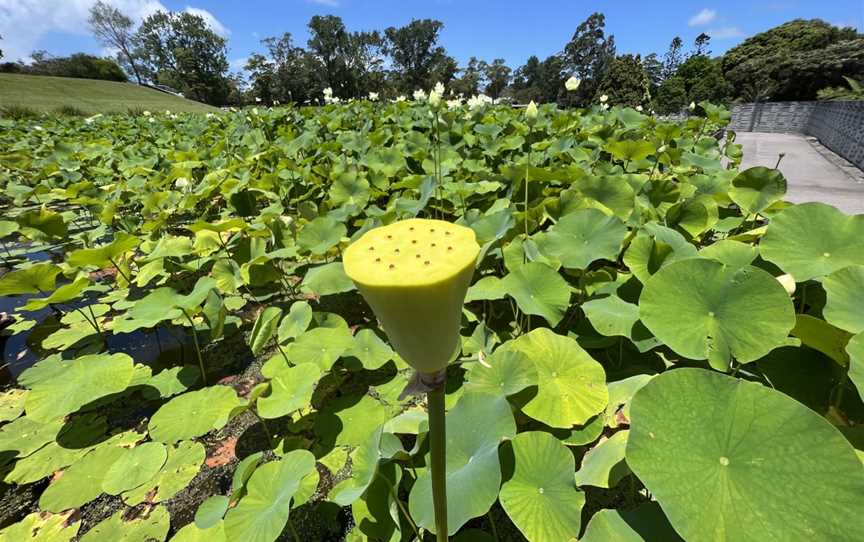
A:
838, 125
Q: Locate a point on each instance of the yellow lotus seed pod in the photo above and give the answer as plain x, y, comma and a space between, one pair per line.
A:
415, 274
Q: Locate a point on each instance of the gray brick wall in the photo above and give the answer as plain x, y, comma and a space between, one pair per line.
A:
838, 125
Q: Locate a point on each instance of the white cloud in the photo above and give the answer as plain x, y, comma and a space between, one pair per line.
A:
238, 63
210, 19
329, 3
703, 17
725, 32
23, 23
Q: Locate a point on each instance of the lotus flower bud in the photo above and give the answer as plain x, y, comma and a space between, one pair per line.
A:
572, 84
531, 111
788, 283
415, 274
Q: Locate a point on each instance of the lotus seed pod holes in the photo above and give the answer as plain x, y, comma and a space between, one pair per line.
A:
415, 274
411, 253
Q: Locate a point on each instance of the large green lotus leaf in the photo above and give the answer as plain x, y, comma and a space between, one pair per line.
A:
571, 386
490, 287
350, 188
386, 160
694, 215
855, 350
64, 293
538, 289
611, 192
234, 224
611, 316
813, 240
321, 234
12, 404
42, 224
193, 414
264, 329
42, 527
82, 381
199, 293
645, 522
155, 307
609, 526
742, 313
321, 346
326, 279
474, 427
211, 511
134, 467
364, 468
104, 255
505, 372
755, 189
708, 446
295, 322
653, 247
603, 465
629, 150
290, 389
183, 464
374, 515
26, 435
583, 237
146, 527
822, 336
81, 482
38, 278
370, 350
541, 498
7, 228
171, 246
733, 253
349, 420
263, 512
193, 533
844, 306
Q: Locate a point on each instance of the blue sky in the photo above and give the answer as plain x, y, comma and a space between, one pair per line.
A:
484, 28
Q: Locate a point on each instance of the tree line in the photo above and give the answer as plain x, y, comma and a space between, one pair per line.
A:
798, 60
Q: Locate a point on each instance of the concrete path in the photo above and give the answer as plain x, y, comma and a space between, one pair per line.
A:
810, 175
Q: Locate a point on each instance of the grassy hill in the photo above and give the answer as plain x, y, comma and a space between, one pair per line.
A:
42, 93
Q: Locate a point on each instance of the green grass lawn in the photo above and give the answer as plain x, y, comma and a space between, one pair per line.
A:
42, 93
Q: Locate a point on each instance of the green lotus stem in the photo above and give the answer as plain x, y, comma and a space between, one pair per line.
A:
415, 274
438, 453
197, 346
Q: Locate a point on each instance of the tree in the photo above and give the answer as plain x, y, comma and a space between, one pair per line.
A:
114, 29
1, 50
654, 70
795, 60
588, 55
181, 51
497, 77
80, 65
672, 58
625, 82
418, 60
671, 97
701, 45
468, 83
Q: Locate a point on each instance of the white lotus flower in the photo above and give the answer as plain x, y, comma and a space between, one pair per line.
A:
439, 89
150, 120
480, 100
454, 103
89, 120
572, 84
373, 96
400, 98
146, 113
531, 111
167, 111
603, 99
639, 108
328, 92
419, 95
255, 111
662, 149
257, 100
181, 182
604, 107
275, 102
692, 106
210, 115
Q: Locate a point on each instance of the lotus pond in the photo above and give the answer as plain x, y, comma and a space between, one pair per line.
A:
655, 345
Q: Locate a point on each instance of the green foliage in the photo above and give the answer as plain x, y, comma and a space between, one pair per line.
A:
795, 60
630, 311
625, 82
